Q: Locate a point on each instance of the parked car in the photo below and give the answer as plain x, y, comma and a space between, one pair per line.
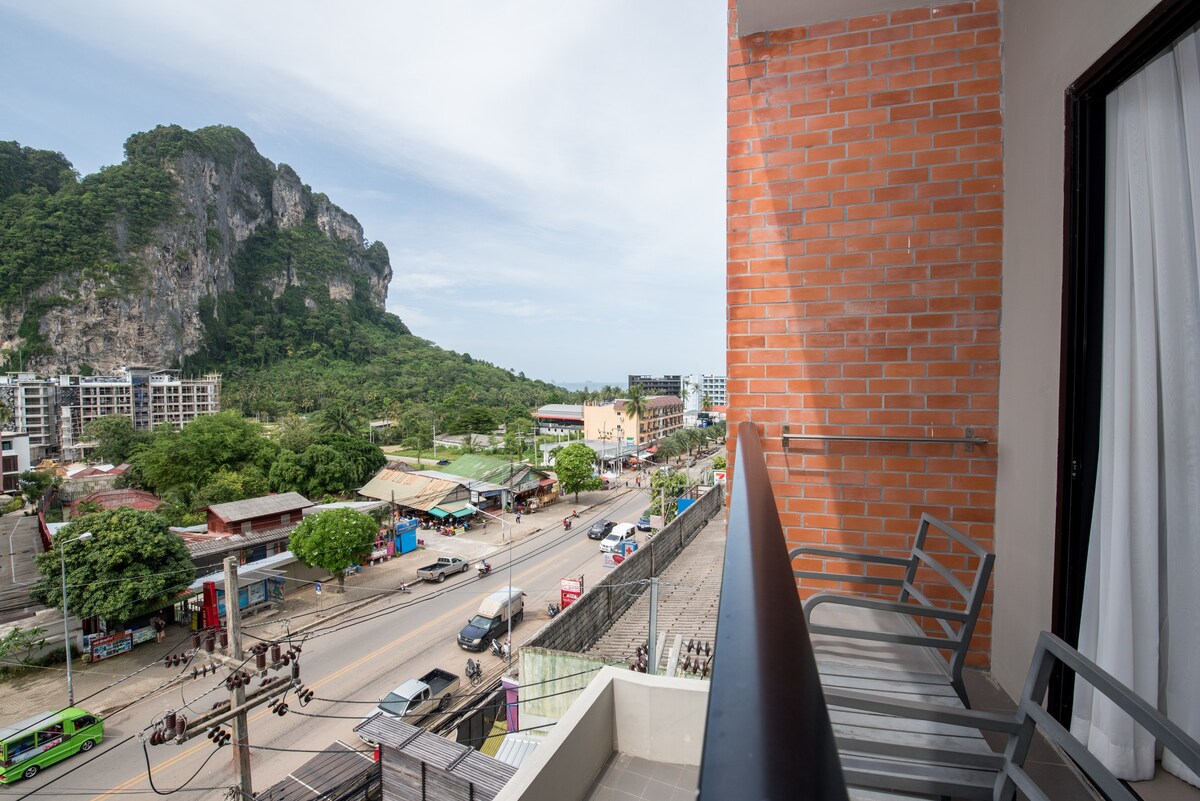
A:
443, 567
600, 529
619, 534
643, 523
491, 621
443, 462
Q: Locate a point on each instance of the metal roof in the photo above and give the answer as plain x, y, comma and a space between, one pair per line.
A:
515, 748
238, 541
324, 774
487, 775
409, 489
236, 511
251, 571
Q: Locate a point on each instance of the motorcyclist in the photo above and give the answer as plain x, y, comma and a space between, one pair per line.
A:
484, 567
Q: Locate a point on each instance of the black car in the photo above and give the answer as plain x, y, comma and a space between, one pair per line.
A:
600, 529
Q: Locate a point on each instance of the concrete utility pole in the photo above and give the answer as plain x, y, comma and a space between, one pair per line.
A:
237, 694
652, 668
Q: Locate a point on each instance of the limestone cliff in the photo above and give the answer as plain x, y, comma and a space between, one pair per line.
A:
148, 284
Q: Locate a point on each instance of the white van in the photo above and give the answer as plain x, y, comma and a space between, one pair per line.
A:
620, 533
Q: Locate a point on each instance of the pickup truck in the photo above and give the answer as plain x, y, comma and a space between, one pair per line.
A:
443, 567
417, 698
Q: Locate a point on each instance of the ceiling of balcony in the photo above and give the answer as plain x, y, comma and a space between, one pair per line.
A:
755, 16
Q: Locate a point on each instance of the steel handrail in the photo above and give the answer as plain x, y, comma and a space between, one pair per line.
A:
768, 734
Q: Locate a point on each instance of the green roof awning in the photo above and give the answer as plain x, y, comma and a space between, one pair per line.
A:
452, 509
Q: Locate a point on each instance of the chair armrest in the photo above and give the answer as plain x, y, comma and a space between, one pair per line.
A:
936, 713
850, 556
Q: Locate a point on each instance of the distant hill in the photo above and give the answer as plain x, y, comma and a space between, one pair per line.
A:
199, 253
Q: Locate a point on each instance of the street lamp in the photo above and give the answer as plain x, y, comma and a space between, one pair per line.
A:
62, 563
503, 523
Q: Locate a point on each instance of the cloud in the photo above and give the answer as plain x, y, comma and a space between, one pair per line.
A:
582, 143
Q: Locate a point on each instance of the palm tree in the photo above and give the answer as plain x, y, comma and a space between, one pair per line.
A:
337, 419
706, 402
635, 408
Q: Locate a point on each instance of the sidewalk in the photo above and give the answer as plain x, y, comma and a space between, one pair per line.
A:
141, 672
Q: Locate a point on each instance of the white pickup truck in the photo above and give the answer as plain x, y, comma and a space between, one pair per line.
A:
417, 698
444, 566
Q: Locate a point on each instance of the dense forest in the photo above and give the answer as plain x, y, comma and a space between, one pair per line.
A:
290, 346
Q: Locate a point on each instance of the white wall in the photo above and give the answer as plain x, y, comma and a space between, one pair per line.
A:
1048, 44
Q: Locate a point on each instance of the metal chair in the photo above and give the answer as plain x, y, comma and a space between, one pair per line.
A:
898, 623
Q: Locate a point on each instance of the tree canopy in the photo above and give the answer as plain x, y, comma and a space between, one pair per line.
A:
115, 438
668, 487
183, 461
574, 465
334, 540
129, 566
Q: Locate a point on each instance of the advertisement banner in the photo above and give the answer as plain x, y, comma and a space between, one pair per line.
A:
111, 645
570, 590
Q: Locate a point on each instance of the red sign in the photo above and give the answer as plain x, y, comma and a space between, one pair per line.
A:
570, 590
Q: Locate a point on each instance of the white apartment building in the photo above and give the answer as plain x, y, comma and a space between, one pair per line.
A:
32, 403
55, 411
700, 385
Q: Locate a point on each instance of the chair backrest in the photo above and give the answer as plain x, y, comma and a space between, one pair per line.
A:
1031, 715
972, 596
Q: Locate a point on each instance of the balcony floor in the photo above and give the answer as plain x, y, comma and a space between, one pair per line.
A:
630, 778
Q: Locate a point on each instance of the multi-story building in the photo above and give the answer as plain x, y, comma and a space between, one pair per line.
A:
559, 418
658, 384
14, 460
148, 397
702, 386
32, 403
612, 422
54, 411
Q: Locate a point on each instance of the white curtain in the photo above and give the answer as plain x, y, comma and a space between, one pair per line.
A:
1141, 609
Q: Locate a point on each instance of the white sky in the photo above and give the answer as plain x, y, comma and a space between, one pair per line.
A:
545, 172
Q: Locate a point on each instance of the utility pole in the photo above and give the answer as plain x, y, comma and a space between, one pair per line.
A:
652, 668
237, 693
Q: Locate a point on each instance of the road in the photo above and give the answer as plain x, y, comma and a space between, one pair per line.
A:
350, 664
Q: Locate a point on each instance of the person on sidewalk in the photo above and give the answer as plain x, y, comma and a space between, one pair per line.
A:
518, 516
160, 627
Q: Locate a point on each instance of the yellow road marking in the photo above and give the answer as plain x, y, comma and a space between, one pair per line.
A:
263, 712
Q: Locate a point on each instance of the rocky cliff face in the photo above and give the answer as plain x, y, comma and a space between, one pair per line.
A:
150, 314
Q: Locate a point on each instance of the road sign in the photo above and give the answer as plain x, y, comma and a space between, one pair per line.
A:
318, 586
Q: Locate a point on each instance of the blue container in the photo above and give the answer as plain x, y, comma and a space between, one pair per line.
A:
406, 541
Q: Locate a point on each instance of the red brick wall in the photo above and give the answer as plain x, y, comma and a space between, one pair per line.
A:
865, 203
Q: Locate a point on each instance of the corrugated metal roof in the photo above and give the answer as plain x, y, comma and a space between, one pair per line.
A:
409, 489
238, 541
323, 775
236, 511
515, 748
486, 774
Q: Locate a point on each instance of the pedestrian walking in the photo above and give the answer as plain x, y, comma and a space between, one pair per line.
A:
160, 627
518, 517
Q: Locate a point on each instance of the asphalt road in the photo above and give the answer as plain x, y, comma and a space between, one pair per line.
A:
350, 664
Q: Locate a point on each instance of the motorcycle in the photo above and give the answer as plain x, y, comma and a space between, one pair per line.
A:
404, 587
484, 569
552, 609
574, 514
474, 672
498, 649
567, 524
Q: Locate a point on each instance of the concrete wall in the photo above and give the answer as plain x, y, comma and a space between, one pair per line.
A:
75, 488
583, 622
1047, 45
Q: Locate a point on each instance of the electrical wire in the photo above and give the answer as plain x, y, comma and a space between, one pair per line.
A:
469, 694
150, 772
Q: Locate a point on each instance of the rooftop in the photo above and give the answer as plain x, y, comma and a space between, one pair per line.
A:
237, 511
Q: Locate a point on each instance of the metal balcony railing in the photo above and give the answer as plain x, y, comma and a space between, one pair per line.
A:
768, 734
